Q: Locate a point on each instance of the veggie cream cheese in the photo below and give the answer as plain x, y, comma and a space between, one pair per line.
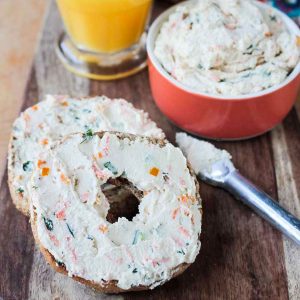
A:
70, 209
209, 154
49, 120
230, 47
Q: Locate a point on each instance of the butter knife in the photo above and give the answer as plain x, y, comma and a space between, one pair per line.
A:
214, 166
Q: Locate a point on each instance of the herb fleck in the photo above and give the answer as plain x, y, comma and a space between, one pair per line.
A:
34, 187
138, 235
165, 176
28, 166
134, 270
20, 191
76, 181
222, 80
48, 224
273, 18
70, 230
181, 252
108, 165
87, 136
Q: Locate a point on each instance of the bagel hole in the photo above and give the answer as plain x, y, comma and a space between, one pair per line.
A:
122, 202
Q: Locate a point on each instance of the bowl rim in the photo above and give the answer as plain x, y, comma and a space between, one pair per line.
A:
155, 28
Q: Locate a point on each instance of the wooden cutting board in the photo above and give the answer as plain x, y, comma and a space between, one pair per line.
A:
241, 256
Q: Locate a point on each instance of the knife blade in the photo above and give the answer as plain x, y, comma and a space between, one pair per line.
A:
214, 166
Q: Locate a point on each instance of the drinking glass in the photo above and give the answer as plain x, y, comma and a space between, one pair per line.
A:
104, 39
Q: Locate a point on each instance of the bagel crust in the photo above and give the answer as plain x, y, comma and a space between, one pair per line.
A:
69, 211
48, 121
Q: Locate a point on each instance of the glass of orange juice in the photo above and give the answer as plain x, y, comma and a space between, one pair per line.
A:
104, 39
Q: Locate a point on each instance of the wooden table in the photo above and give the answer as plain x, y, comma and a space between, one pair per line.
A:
241, 256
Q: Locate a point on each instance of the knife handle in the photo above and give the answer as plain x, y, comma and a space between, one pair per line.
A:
263, 204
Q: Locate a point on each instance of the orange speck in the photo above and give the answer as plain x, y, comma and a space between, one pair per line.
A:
100, 155
184, 198
44, 142
103, 228
40, 163
35, 107
193, 220
184, 231
60, 215
54, 240
174, 213
268, 34
64, 178
64, 103
298, 41
154, 171
45, 171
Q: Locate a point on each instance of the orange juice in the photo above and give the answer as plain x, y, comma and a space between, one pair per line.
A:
105, 26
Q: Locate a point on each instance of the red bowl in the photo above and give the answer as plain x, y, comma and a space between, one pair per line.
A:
220, 117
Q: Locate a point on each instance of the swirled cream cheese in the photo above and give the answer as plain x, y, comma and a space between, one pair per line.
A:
209, 154
230, 47
70, 209
49, 120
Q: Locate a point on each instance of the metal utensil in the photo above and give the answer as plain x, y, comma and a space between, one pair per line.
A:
214, 167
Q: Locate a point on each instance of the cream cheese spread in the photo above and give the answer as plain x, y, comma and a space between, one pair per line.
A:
202, 155
49, 120
229, 48
70, 209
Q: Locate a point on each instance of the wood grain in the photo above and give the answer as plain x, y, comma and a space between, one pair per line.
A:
20, 23
241, 257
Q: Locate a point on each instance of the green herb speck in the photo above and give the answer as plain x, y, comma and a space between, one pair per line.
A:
87, 136
28, 166
70, 230
138, 235
108, 165
76, 181
48, 223
134, 270
20, 191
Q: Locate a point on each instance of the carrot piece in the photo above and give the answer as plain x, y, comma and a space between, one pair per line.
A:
45, 171
103, 228
174, 213
40, 163
60, 215
35, 107
100, 155
44, 142
64, 178
154, 171
268, 34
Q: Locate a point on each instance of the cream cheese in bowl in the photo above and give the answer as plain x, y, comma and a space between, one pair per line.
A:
228, 48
